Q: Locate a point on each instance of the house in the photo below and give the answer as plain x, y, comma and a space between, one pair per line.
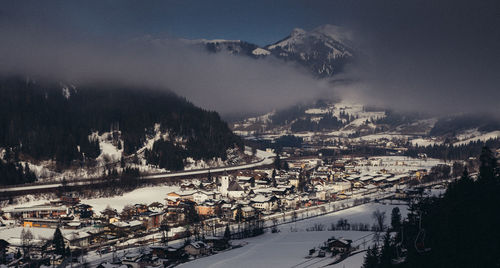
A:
226, 211
206, 209
167, 252
154, 220
202, 196
123, 228
140, 208
265, 203
69, 200
248, 212
246, 180
217, 243
156, 206
290, 201
84, 211
197, 248
132, 260
339, 245
188, 195
73, 225
78, 239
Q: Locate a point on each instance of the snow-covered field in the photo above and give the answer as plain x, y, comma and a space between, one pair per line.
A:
146, 195
425, 142
289, 247
398, 164
477, 136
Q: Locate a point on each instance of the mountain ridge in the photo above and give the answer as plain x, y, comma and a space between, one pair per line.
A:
324, 51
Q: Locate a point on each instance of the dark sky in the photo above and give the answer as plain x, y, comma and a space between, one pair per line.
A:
261, 22
440, 56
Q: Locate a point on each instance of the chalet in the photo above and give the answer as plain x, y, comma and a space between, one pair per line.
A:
370, 188
167, 252
188, 186
339, 245
206, 208
69, 200
197, 248
155, 219
121, 227
248, 212
140, 208
246, 180
78, 239
73, 225
324, 195
290, 202
156, 206
281, 190
201, 196
217, 243
226, 211
189, 195
265, 203
133, 260
83, 211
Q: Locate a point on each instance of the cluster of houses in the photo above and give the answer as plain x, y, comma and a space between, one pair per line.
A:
210, 203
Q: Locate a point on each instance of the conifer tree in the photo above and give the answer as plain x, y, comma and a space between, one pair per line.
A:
58, 242
371, 258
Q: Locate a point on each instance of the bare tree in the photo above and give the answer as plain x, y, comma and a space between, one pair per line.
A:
379, 218
127, 212
27, 241
164, 231
109, 212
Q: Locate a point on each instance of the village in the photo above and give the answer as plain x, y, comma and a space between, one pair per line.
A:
207, 215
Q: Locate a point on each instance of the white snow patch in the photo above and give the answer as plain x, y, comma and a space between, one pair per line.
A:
260, 51
482, 137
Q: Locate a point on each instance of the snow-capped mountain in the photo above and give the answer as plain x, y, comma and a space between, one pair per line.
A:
324, 50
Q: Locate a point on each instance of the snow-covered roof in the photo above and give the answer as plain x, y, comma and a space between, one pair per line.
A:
198, 244
76, 235
247, 209
135, 223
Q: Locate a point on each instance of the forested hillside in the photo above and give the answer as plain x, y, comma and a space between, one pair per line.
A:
53, 121
458, 230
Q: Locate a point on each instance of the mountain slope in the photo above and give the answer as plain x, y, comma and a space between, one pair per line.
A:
51, 121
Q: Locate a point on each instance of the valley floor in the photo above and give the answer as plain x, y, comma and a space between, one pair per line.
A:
290, 246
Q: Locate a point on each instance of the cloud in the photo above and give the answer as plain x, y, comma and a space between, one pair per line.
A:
439, 57
222, 82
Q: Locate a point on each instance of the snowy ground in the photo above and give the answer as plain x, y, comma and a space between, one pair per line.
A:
398, 164
289, 247
146, 195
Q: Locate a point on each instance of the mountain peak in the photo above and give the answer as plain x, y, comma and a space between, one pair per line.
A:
297, 32
334, 32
